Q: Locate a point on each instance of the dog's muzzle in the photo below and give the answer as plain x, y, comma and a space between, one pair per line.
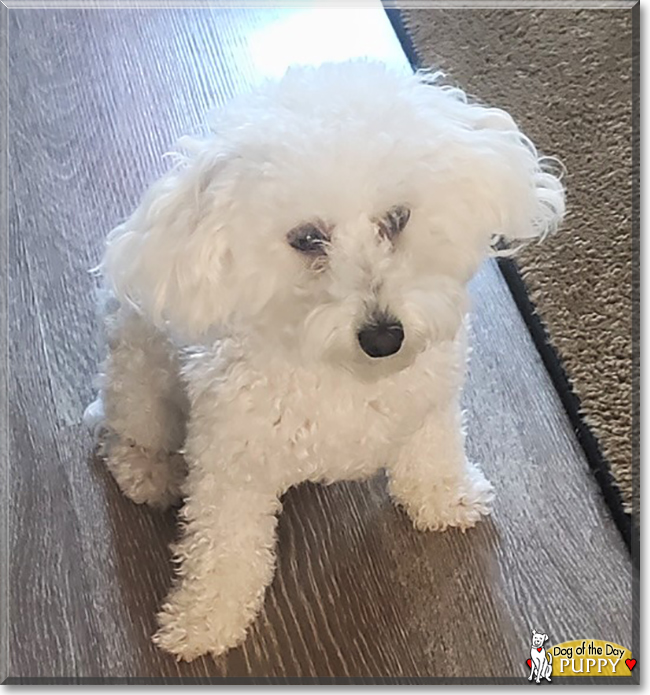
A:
381, 338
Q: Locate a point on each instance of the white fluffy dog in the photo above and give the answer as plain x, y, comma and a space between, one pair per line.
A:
288, 303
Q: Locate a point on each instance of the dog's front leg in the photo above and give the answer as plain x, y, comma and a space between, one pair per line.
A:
226, 559
532, 669
432, 479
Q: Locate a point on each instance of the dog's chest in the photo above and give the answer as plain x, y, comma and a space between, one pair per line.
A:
340, 428
330, 424
341, 433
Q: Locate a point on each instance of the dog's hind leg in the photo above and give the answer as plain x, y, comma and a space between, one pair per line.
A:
141, 409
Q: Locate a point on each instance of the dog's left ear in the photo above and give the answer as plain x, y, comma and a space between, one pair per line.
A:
504, 186
171, 258
545, 638
521, 193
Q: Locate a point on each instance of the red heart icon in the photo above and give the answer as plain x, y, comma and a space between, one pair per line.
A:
530, 663
630, 663
539, 649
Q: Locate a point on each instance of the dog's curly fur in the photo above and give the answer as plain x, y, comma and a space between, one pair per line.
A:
237, 345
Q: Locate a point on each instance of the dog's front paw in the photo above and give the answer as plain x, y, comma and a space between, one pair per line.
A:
144, 476
188, 633
458, 506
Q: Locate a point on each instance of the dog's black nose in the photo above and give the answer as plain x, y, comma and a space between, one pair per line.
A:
382, 338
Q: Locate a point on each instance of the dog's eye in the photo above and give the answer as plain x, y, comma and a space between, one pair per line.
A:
308, 239
394, 221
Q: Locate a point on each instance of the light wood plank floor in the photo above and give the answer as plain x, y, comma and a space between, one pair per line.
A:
95, 98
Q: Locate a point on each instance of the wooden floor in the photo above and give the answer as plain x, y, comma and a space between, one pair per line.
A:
95, 98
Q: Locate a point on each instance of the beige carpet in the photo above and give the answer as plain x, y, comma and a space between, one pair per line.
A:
566, 76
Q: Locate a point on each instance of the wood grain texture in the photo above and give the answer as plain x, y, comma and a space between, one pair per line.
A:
95, 98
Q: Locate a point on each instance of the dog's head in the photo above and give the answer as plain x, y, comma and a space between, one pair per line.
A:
539, 638
337, 214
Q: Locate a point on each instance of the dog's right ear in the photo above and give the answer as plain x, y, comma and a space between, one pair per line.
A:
170, 258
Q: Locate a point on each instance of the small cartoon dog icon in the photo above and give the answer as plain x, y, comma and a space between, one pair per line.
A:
540, 667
